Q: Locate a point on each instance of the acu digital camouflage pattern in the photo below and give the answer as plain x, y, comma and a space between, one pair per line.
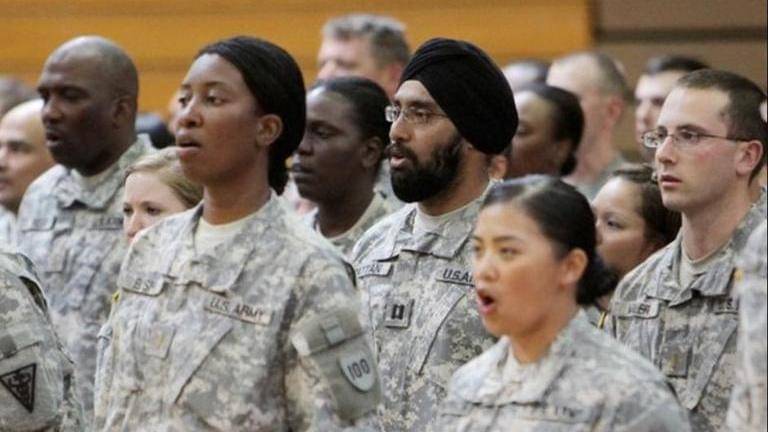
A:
749, 407
586, 382
378, 208
75, 238
247, 337
687, 332
37, 388
418, 293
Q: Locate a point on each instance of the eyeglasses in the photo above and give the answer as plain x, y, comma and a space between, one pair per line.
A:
411, 115
683, 138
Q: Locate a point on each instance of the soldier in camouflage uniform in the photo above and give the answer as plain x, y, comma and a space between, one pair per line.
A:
678, 308
37, 385
23, 158
70, 220
749, 404
234, 316
413, 266
337, 161
534, 265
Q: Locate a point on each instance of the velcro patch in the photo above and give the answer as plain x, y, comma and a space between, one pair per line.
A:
21, 384
359, 370
397, 313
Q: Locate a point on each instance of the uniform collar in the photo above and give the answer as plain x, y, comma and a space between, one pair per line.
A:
445, 243
69, 190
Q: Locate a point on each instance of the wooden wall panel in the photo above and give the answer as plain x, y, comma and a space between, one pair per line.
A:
163, 35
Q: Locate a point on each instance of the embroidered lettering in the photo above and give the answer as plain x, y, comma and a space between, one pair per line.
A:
239, 311
456, 276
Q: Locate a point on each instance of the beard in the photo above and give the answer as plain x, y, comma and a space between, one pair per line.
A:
424, 181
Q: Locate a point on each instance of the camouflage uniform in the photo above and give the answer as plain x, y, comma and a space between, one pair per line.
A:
7, 229
749, 408
75, 238
688, 332
259, 334
419, 295
36, 377
377, 209
586, 382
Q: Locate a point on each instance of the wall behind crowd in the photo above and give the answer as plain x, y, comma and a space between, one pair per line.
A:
163, 36
727, 34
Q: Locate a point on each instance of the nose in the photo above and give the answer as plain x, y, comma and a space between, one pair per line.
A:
3, 157
134, 224
398, 131
305, 146
484, 268
327, 70
50, 112
599, 232
188, 116
666, 152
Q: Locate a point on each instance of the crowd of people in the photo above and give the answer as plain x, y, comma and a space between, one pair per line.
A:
412, 242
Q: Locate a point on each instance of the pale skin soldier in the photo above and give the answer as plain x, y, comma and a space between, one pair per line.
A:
678, 308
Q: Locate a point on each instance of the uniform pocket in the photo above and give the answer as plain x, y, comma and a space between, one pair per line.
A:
31, 380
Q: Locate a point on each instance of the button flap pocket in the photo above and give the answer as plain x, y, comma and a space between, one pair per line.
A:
191, 357
150, 284
675, 353
15, 339
635, 309
440, 310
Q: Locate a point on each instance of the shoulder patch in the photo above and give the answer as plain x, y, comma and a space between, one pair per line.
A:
21, 384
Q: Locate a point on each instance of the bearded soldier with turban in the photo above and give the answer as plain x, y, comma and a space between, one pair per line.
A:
452, 111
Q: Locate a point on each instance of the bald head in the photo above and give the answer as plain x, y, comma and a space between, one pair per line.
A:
90, 88
23, 156
106, 58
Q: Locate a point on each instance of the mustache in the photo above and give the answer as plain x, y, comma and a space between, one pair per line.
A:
396, 149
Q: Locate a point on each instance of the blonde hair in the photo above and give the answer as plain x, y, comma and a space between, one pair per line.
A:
165, 164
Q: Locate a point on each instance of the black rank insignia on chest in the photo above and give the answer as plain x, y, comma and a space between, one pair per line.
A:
397, 313
21, 384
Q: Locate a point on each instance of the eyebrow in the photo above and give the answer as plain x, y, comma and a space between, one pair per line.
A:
501, 238
17, 142
418, 103
207, 84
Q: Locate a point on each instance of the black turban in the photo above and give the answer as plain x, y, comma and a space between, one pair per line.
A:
470, 88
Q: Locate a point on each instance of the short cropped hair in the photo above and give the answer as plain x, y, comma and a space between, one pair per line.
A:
386, 35
673, 63
742, 113
612, 78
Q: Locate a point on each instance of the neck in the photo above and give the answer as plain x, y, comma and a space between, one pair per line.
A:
337, 217
707, 229
468, 185
531, 346
233, 200
593, 159
109, 157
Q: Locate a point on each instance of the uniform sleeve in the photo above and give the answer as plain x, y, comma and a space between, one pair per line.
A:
37, 390
650, 410
331, 379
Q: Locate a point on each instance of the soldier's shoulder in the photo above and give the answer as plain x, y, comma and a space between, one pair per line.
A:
469, 378
40, 188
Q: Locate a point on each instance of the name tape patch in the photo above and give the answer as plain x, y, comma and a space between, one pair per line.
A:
240, 311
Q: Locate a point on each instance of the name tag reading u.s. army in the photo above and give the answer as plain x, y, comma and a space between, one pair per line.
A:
455, 276
397, 313
240, 311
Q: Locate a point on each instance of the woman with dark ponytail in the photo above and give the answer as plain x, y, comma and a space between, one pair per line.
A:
534, 266
232, 316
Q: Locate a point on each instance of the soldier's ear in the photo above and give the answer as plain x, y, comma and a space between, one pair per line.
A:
572, 267
269, 127
123, 111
